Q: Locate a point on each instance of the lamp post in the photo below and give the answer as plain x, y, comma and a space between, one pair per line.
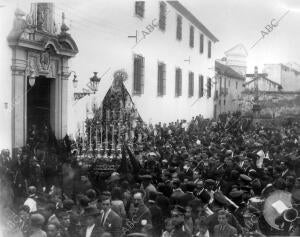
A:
31, 78
94, 82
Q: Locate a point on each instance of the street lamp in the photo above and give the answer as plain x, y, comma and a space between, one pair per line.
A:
75, 81
94, 82
31, 79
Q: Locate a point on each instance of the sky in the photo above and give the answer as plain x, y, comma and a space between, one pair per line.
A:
231, 21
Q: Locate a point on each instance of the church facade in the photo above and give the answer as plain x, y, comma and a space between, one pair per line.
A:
39, 73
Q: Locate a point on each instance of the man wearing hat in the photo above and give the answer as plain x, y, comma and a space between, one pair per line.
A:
177, 192
91, 229
139, 212
109, 220
188, 195
31, 200
146, 184
64, 220
223, 229
177, 216
219, 203
37, 221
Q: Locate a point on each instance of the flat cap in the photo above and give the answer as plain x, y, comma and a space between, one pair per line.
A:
179, 209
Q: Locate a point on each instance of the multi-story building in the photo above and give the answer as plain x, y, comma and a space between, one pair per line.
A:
288, 76
168, 58
228, 89
166, 51
171, 69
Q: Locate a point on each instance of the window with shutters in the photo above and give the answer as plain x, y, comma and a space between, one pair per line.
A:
179, 28
191, 84
208, 87
209, 49
178, 82
200, 86
140, 8
138, 74
191, 36
162, 15
201, 43
161, 79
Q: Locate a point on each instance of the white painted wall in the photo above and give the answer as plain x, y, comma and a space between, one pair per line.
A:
101, 32
286, 76
290, 80
158, 46
232, 98
273, 71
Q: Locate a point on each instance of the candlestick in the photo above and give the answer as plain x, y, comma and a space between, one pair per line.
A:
113, 137
106, 136
90, 137
96, 140
101, 133
101, 113
108, 115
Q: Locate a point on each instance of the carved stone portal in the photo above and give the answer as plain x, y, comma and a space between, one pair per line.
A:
38, 50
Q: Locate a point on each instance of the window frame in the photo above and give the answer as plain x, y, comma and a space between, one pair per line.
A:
208, 89
209, 49
201, 43
201, 86
192, 37
138, 82
191, 84
179, 27
178, 82
162, 22
137, 8
161, 81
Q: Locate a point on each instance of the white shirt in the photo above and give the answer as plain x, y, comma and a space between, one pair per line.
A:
89, 230
104, 216
31, 203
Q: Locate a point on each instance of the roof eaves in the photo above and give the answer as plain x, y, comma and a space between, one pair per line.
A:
185, 12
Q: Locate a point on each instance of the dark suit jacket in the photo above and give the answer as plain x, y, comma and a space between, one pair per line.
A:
185, 199
157, 219
212, 221
143, 213
228, 231
97, 231
176, 196
112, 224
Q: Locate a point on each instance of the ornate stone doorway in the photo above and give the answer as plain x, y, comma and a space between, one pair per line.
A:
39, 52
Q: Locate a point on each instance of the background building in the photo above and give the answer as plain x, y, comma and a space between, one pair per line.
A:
263, 83
288, 76
168, 61
228, 89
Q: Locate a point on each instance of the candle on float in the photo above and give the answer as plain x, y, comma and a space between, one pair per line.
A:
101, 132
112, 136
101, 113
108, 115
96, 137
91, 137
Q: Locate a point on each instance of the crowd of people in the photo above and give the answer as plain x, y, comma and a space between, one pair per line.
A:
202, 178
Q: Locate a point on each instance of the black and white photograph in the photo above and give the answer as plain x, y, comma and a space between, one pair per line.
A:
123, 118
